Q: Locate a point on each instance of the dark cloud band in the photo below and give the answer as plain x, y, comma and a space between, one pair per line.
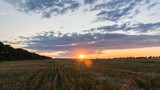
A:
91, 42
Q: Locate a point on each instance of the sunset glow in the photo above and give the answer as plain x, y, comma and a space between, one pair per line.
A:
81, 56
96, 28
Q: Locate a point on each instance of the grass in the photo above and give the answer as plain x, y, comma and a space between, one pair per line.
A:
74, 75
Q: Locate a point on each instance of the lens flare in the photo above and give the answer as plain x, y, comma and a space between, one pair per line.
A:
82, 60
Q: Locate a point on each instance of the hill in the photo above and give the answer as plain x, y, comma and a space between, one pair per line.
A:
8, 53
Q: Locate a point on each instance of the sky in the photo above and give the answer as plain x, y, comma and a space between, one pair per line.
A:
96, 28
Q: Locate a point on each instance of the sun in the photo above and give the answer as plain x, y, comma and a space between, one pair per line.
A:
81, 56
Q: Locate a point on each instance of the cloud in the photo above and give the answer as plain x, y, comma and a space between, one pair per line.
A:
90, 42
140, 27
114, 10
108, 10
45, 7
89, 1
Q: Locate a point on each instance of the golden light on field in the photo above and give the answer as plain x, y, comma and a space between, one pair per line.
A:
83, 61
88, 63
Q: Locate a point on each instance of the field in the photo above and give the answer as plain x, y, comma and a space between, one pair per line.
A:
63, 74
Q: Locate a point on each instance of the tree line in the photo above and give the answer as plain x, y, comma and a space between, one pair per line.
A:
150, 57
8, 53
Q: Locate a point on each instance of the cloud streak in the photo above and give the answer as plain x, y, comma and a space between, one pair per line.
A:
45, 7
107, 9
140, 27
90, 42
115, 9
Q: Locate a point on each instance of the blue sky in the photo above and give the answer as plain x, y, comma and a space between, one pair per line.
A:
60, 28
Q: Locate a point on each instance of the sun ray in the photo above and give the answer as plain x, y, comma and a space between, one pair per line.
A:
82, 60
